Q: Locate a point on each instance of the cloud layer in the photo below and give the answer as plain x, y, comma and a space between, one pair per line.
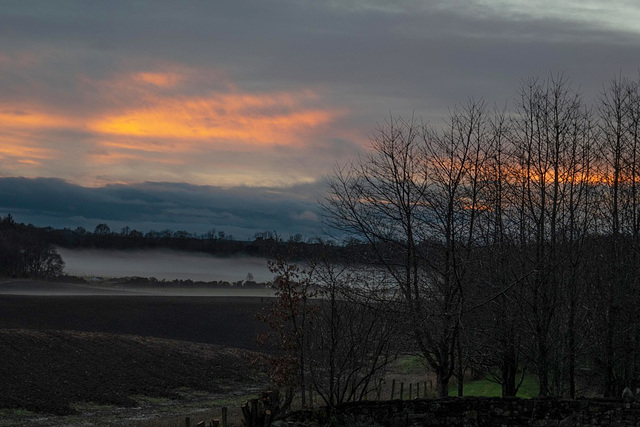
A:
268, 94
241, 211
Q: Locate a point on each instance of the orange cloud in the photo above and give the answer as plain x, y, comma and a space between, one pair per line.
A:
112, 157
29, 162
141, 126
251, 119
142, 145
21, 124
158, 79
18, 151
32, 117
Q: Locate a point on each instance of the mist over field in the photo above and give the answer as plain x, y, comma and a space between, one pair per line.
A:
163, 264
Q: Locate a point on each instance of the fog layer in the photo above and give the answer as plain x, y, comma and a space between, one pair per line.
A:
163, 264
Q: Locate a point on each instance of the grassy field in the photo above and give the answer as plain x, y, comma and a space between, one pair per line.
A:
412, 368
488, 388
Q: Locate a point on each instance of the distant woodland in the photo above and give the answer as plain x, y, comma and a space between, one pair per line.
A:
18, 238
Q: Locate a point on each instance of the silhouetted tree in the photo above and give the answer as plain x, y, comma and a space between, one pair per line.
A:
289, 318
25, 253
102, 229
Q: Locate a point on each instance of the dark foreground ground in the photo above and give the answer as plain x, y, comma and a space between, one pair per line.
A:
228, 321
49, 371
56, 351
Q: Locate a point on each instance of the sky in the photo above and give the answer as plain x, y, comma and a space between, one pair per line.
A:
230, 115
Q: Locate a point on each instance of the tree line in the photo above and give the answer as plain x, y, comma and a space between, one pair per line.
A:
216, 242
508, 241
24, 254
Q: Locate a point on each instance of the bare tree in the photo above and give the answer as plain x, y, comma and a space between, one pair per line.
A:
27, 254
289, 318
504, 226
331, 328
549, 137
415, 199
497, 326
354, 334
618, 297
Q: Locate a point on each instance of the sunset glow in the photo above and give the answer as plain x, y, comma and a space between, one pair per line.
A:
239, 118
142, 124
29, 118
221, 95
158, 79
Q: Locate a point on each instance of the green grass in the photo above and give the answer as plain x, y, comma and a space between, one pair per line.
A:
409, 364
486, 388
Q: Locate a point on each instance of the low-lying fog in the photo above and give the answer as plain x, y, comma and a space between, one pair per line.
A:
99, 288
163, 264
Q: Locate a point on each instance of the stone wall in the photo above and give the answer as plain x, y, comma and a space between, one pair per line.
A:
477, 411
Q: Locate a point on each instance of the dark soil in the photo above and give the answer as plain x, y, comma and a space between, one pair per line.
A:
47, 371
226, 321
55, 351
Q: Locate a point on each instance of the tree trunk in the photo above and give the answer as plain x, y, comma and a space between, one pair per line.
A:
572, 345
443, 384
460, 369
509, 372
543, 369
608, 368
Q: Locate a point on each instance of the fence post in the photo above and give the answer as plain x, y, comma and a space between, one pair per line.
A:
393, 389
223, 417
379, 389
410, 391
402, 391
187, 422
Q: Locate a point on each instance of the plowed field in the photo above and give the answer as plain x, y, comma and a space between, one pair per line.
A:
47, 371
56, 351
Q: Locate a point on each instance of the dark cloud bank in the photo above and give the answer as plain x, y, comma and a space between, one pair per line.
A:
240, 211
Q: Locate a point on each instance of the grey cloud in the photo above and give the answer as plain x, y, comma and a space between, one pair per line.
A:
241, 211
370, 59
442, 52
